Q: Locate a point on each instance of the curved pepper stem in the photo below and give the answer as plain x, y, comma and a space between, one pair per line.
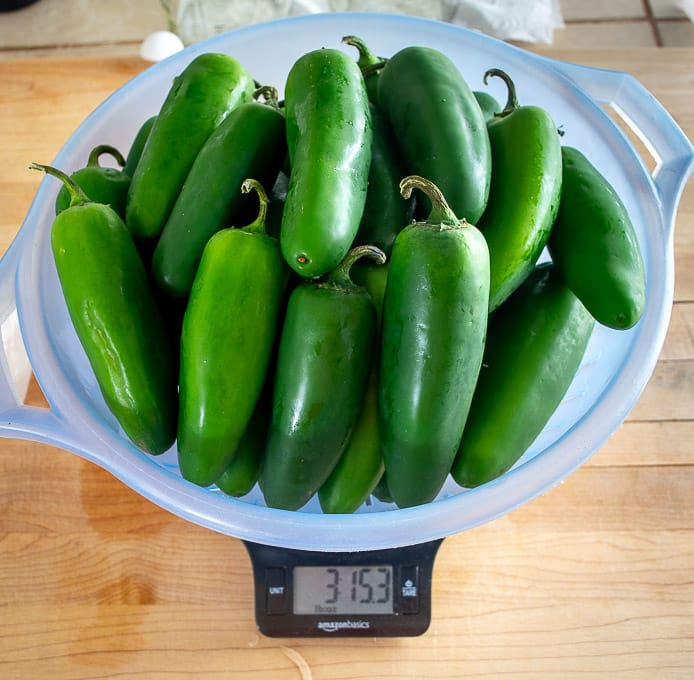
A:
440, 212
340, 276
100, 150
257, 226
512, 100
77, 195
268, 93
366, 56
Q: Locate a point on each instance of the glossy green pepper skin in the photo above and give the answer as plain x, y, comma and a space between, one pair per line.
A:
385, 211
329, 142
369, 64
243, 470
361, 465
101, 184
381, 491
138, 144
113, 310
439, 126
249, 142
323, 369
434, 325
228, 335
535, 343
490, 107
594, 246
200, 98
524, 194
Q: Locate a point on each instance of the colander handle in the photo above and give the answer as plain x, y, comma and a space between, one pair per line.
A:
649, 120
17, 420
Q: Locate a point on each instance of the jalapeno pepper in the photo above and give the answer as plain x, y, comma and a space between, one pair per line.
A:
381, 492
323, 369
535, 343
200, 98
242, 472
524, 194
138, 144
369, 64
113, 310
490, 107
361, 465
229, 330
100, 184
434, 324
329, 141
594, 245
385, 211
249, 142
439, 126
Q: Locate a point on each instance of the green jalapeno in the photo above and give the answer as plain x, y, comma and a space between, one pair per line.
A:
249, 142
439, 126
385, 211
113, 311
369, 64
381, 491
594, 245
329, 141
361, 465
200, 98
323, 368
242, 472
490, 107
100, 184
524, 193
535, 343
138, 144
228, 335
434, 323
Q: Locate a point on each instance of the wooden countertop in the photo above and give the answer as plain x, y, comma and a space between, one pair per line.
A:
594, 579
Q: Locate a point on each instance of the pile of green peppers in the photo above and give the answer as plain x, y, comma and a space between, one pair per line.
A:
341, 294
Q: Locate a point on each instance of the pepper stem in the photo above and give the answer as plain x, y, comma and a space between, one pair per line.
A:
512, 100
366, 56
100, 150
440, 212
257, 226
77, 195
340, 276
269, 94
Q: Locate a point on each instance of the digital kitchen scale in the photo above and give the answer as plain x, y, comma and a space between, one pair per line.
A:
376, 593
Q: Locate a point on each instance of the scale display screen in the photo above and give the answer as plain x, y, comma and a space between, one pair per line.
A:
343, 590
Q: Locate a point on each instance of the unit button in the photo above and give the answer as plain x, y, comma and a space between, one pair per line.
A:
408, 589
275, 580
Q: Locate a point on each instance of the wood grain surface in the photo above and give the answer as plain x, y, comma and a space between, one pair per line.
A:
595, 579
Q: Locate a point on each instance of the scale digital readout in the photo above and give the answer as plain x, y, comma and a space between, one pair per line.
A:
380, 593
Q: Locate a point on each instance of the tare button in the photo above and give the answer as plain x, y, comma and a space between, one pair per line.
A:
408, 589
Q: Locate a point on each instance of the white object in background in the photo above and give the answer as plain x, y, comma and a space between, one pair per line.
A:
510, 20
195, 20
159, 45
687, 6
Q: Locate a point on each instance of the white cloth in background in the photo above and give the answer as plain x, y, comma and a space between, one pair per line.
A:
521, 20
528, 21
511, 20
